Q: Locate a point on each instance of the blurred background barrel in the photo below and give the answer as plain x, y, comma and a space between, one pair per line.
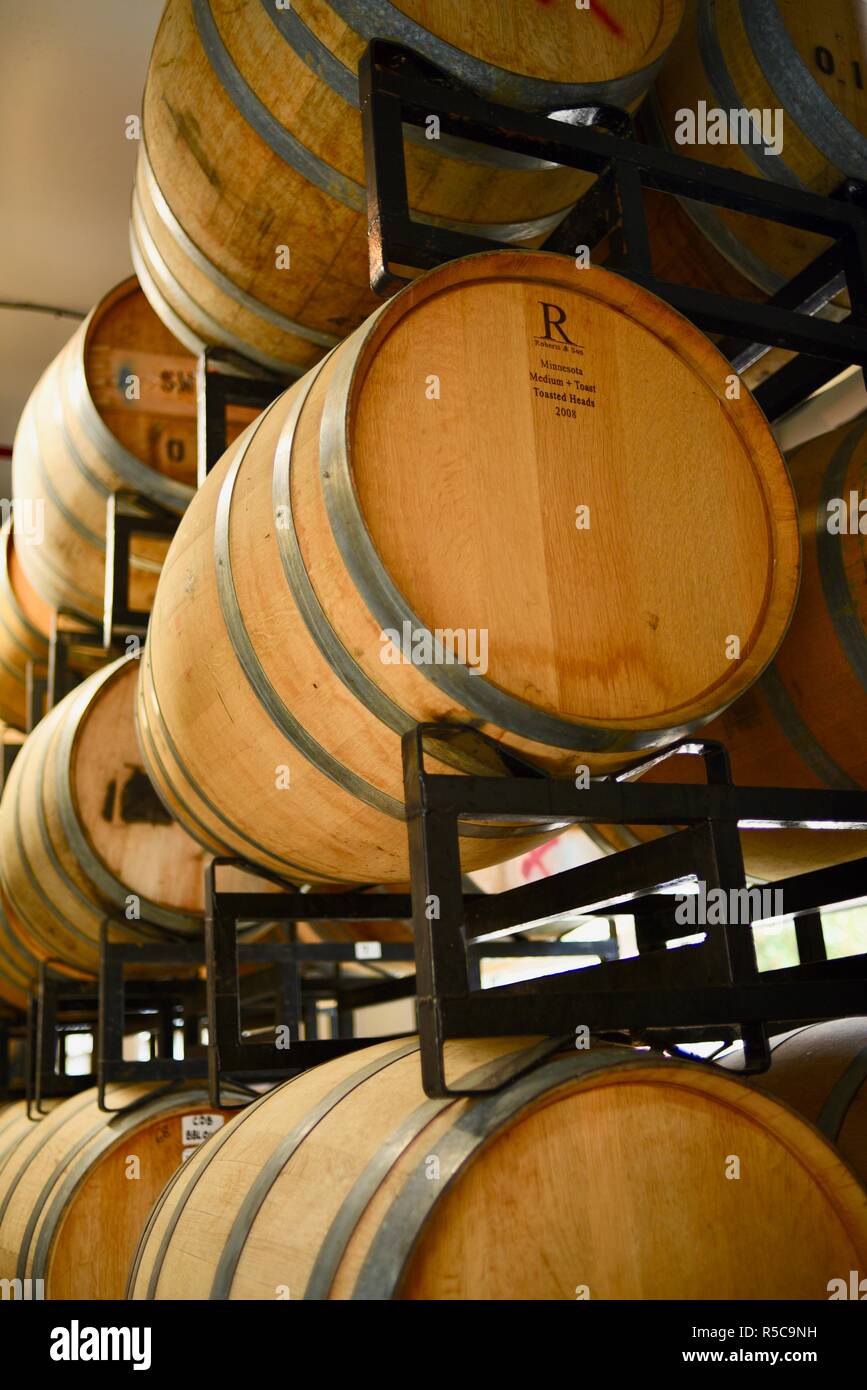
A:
800, 64
76, 1191
249, 223
804, 722
390, 1196
115, 410
821, 1071
84, 837
15, 1125
25, 624
470, 408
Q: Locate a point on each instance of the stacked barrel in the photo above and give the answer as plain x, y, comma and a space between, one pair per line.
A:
461, 510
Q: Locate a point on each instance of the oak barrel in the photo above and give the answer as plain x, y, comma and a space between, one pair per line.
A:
417, 508
76, 1190
19, 967
804, 722
14, 1123
85, 839
25, 623
115, 411
806, 63
249, 220
820, 1070
347, 1183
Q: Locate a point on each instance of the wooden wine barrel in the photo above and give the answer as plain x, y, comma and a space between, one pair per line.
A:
84, 837
252, 143
820, 1070
25, 623
15, 1127
76, 1191
347, 1183
397, 515
13, 1115
89, 430
19, 967
807, 61
804, 722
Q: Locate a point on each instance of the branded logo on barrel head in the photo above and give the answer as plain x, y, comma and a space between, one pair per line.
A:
554, 316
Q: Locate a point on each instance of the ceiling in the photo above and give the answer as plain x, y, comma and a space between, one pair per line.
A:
71, 71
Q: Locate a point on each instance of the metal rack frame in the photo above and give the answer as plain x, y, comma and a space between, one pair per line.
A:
224, 378
237, 1060
399, 87
660, 992
128, 514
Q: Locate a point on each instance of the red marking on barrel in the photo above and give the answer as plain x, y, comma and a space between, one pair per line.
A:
607, 19
536, 860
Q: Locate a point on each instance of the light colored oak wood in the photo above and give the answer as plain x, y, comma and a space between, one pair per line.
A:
84, 838
822, 53
597, 644
81, 438
76, 1190
804, 723
608, 1173
214, 200
16, 1127
25, 622
819, 1070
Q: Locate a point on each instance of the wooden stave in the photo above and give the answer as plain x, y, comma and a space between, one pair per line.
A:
820, 1070
46, 1173
376, 1213
16, 1125
180, 785
754, 39
206, 287
56, 889
19, 967
66, 457
20, 639
780, 732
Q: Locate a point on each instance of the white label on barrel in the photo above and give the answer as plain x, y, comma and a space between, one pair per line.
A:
195, 1129
368, 950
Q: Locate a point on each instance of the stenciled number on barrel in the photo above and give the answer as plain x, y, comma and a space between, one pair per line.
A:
826, 63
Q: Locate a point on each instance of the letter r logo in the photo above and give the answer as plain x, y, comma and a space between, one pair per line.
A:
555, 317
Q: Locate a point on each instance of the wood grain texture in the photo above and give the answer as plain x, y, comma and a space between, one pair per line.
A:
578, 1184
80, 438
823, 54
214, 200
804, 724
458, 515
819, 1070
83, 834
76, 1190
25, 622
